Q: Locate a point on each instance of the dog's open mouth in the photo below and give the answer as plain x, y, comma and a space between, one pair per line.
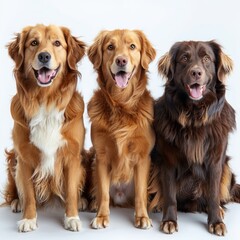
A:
196, 91
122, 78
45, 75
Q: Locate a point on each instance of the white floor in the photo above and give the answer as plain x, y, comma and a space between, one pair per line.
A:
191, 226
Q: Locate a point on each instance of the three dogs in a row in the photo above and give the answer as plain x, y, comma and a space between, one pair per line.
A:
169, 154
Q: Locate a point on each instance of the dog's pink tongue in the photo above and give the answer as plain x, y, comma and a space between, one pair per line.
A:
45, 75
122, 79
196, 91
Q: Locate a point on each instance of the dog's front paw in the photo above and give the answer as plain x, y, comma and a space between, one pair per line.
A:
100, 222
169, 227
217, 228
27, 225
143, 222
72, 223
16, 206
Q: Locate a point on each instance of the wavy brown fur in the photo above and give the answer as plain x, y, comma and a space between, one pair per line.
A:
10, 192
121, 119
190, 169
36, 185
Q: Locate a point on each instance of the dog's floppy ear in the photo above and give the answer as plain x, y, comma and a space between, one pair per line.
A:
166, 64
224, 63
17, 47
225, 66
148, 52
95, 51
75, 49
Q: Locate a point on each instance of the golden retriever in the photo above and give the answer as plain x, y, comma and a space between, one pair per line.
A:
48, 132
121, 113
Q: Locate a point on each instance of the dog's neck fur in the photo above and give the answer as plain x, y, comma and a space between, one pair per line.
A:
196, 113
104, 103
126, 98
32, 97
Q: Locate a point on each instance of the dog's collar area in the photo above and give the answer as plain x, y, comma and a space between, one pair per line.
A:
122, 78
45, 76
196, 91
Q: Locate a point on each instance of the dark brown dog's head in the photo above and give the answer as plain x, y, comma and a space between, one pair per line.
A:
44, 53
194, 67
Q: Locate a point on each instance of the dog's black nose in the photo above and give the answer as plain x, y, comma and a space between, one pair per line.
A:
196, 73
44, 57
121, 61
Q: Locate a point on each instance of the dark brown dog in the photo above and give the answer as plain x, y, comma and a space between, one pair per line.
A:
192, 123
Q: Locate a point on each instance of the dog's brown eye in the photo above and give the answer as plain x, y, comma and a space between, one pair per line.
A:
34, 43
184, 58
57, 43
110, 47
206, 58
132, 46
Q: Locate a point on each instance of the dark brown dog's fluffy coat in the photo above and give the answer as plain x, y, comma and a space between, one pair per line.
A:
192, 122
48, 133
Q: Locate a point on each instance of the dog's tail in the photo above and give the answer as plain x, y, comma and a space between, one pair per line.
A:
229, 189
235, 193
10, 193
228, 181
155, 199
154, 191
89, 159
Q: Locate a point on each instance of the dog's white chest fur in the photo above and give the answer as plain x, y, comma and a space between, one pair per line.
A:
45, 134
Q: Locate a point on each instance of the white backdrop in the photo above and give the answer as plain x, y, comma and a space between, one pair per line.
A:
164, 23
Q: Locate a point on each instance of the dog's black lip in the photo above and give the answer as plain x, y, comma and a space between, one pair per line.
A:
45, 68
122, 71
194, 85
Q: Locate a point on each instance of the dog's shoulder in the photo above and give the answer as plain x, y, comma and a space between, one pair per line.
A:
75, 107
227, 117
98, 107
17, 111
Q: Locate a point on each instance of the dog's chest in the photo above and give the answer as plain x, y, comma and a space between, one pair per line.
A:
45, 134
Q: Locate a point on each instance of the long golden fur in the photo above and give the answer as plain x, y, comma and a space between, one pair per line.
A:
121, 112
48, 132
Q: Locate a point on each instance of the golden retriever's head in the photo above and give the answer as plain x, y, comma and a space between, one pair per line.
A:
120, 55
45, 52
